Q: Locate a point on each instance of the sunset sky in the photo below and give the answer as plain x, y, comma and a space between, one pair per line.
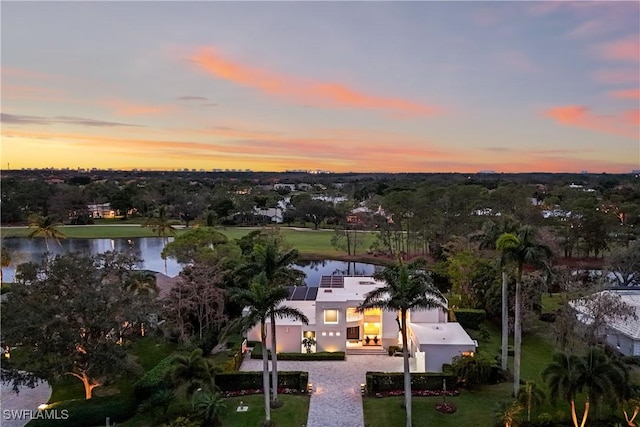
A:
337, 86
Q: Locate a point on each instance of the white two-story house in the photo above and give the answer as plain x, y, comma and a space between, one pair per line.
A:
336, 324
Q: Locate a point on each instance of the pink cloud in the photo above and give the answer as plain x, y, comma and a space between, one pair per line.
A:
626, 49
129, 108
625, 94
328, 94
624, 124
519, 61
617, 76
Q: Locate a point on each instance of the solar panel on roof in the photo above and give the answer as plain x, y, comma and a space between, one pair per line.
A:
299, 293
312, 293
291, 291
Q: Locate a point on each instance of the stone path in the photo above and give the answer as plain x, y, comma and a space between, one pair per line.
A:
336, 399
27, 399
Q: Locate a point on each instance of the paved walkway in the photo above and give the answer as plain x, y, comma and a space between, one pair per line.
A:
336, 399
26, 399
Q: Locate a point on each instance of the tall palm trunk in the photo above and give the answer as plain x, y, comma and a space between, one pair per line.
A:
274, 362
265, 372
517, 341
407, 374
505, 322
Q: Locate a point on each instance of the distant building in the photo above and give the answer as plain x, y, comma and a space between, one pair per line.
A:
102, 210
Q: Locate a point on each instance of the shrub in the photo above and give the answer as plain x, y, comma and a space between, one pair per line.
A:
154, 380
91, 412
233, 381
321, 355
470, 318
393, 349
387, 381
548, 317
474, 370
631, 360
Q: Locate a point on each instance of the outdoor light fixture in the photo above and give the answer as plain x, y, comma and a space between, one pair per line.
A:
42, 406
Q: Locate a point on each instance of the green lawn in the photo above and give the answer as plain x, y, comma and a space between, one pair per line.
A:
307, 241
474, 409
293, 412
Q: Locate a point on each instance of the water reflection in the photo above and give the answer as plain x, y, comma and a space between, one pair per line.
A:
148, 249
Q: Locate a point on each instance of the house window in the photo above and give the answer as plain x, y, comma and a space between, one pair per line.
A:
331, 316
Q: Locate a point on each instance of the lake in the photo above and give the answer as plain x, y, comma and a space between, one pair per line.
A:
148, 249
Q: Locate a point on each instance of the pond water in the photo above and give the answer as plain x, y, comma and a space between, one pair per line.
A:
148, 249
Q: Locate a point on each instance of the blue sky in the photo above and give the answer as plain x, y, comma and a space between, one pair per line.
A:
340, 86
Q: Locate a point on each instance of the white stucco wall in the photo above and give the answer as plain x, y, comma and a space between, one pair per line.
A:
437, 355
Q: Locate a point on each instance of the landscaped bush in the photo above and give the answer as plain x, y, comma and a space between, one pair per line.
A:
321, 355
250, 380
154, 380
92, 412
470, 318
548, 317
631, 360
380, 382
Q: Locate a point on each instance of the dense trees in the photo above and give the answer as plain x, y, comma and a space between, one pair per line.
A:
74, 318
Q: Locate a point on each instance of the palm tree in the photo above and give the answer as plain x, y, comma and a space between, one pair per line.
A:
567, 375
209, 405
407, 288
45, 226
505, 412
530, 395
488, 238
520, 249
261, 302
277, 270
194, 370
161, 225
142, 282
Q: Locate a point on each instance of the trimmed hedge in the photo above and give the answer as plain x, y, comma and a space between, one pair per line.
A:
154, 380
470, 318
246, 380
92, 412
321, 355
388, 381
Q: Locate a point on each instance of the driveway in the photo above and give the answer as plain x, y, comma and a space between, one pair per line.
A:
336, 399
14, 406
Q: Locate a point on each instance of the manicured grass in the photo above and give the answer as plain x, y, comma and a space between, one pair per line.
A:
307, 241
293, 413
86, 231
474, 409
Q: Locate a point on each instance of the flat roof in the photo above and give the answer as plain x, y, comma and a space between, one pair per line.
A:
450, 333
354, 289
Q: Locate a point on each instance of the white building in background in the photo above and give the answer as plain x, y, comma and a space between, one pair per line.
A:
336, 324
621, 334
102, 210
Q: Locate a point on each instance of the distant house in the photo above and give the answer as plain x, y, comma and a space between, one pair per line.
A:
102, 210
622, 335
274, 214
336, 324
279, 186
